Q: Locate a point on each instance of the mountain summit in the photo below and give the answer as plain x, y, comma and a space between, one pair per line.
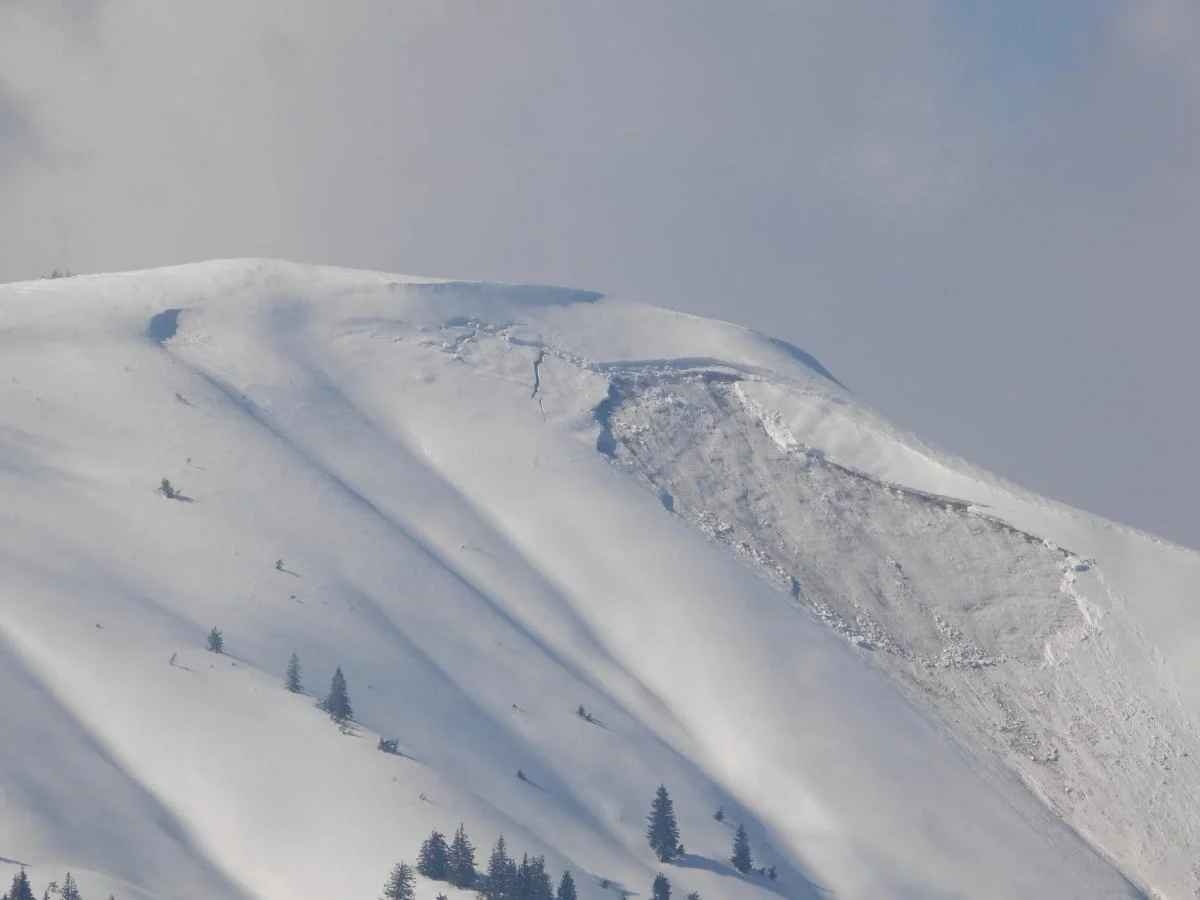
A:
559, 549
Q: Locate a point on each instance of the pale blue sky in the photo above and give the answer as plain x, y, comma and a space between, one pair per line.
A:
981, 217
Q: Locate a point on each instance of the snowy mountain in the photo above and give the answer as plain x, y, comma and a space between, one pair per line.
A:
491, 505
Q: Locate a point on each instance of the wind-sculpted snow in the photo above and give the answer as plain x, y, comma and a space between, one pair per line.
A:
869, 672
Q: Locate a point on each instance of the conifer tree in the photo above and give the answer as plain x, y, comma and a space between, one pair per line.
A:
536, 882
69, 889
460, 860
694, 895
337, 704
521, 888
400, 884
433, 859
662, 888
741, 851
216, 640
501, 873
293, 683
566, 888
663, 831
20, 889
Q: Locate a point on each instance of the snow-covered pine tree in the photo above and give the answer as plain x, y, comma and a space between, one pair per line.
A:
337, 703
566, 888
400, 884
663, 830
292, 680
741, 851
432, 862
69, 889
460, 860
501, 873
216, 640
662, 888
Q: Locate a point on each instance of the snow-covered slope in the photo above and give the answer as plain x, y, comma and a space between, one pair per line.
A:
899, 694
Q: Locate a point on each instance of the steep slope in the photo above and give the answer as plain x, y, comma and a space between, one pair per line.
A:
423, 457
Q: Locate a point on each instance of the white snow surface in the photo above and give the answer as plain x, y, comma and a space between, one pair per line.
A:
459, 545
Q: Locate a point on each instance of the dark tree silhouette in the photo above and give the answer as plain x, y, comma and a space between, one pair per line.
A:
400, 884
433, 861
662, 830
532, 881
69, 889
741, 851
337, 703
501, 873
566, 888
292, 681
20, 889
460, 860
216, 640
662, 888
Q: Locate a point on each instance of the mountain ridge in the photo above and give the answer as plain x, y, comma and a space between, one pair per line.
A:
483, 570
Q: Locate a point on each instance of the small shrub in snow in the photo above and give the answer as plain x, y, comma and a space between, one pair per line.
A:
216, 640
662, 888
